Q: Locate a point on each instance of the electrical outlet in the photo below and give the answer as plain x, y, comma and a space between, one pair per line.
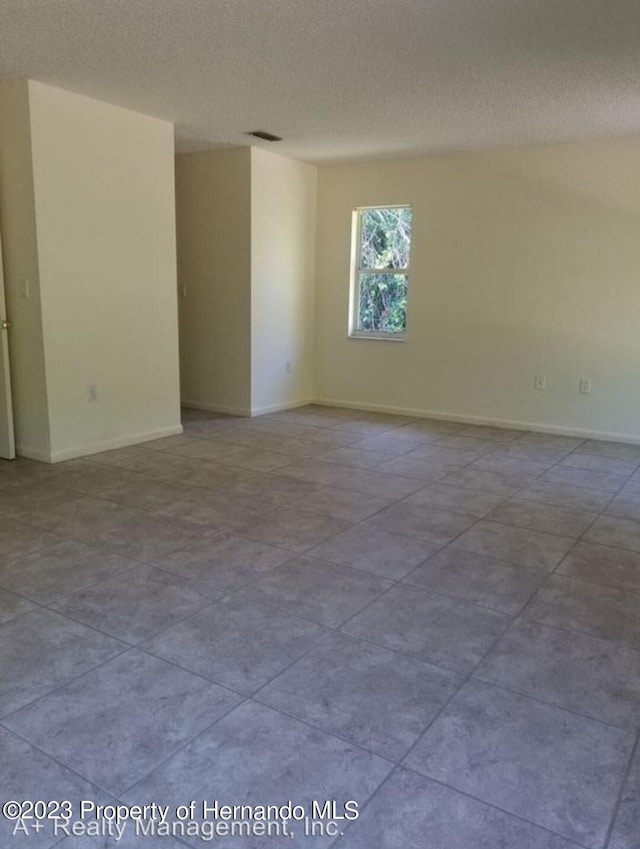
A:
585, 385
540, 382
92, 393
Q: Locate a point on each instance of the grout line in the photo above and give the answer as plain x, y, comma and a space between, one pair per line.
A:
618, 803
60, 763
627, 729
570, 840
126, 648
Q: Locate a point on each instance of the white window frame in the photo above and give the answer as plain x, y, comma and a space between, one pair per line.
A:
354, 281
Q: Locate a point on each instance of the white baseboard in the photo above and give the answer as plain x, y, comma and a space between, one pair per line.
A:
237, 411
514, 424
216, 408
97, 447
276, 408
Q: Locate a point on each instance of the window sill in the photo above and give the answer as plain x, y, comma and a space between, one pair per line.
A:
380, 337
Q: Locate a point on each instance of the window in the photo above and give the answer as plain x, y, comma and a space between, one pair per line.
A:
380, 271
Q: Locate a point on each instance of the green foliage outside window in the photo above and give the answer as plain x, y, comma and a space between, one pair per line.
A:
383, 264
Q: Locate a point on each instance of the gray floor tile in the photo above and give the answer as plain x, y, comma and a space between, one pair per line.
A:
224, 562
326, 439
570, 476
30, 774
554, 768
456, 500
144, 492
381, 483
591, 609
597, 463
237, 643
27, 503
626, 828
366, 428
621, 450
515, 545
131, 488
21, 471
244, 442
436, 452
593, 677
336, 687
274, 490
61, 569
418, 470
208, 475
548, 518
342, 504
601, 564
432, 628
136, 605
292, 529
621, 533
258, 756
168, 443
476, 578
477, 444
162, 464
317, 590
314, 471
116, 723
129, 840
294, 449
519, 469
41, 650
422, 522
632, 486
554, 440
571, 497
18, 539
392, 444
351, 456
146, 537
213, 510
388, 555
208, 449
496, 434
120, 529
625, 505
410, 809
218, 510
12, 605
115, 456
259, 460
438, 427
495, 483
535, 453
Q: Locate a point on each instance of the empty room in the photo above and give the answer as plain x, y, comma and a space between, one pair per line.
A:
319, 424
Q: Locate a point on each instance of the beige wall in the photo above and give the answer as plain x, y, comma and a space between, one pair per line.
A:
20, 255
524, 262
213, 194
88, 217
105, 217
283, 207
246, 235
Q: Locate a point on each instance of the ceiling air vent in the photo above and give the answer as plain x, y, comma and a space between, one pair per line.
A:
261, 134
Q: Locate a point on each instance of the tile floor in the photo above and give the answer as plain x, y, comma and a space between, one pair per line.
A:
438, 621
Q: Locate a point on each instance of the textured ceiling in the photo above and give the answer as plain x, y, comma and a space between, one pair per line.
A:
343, 78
